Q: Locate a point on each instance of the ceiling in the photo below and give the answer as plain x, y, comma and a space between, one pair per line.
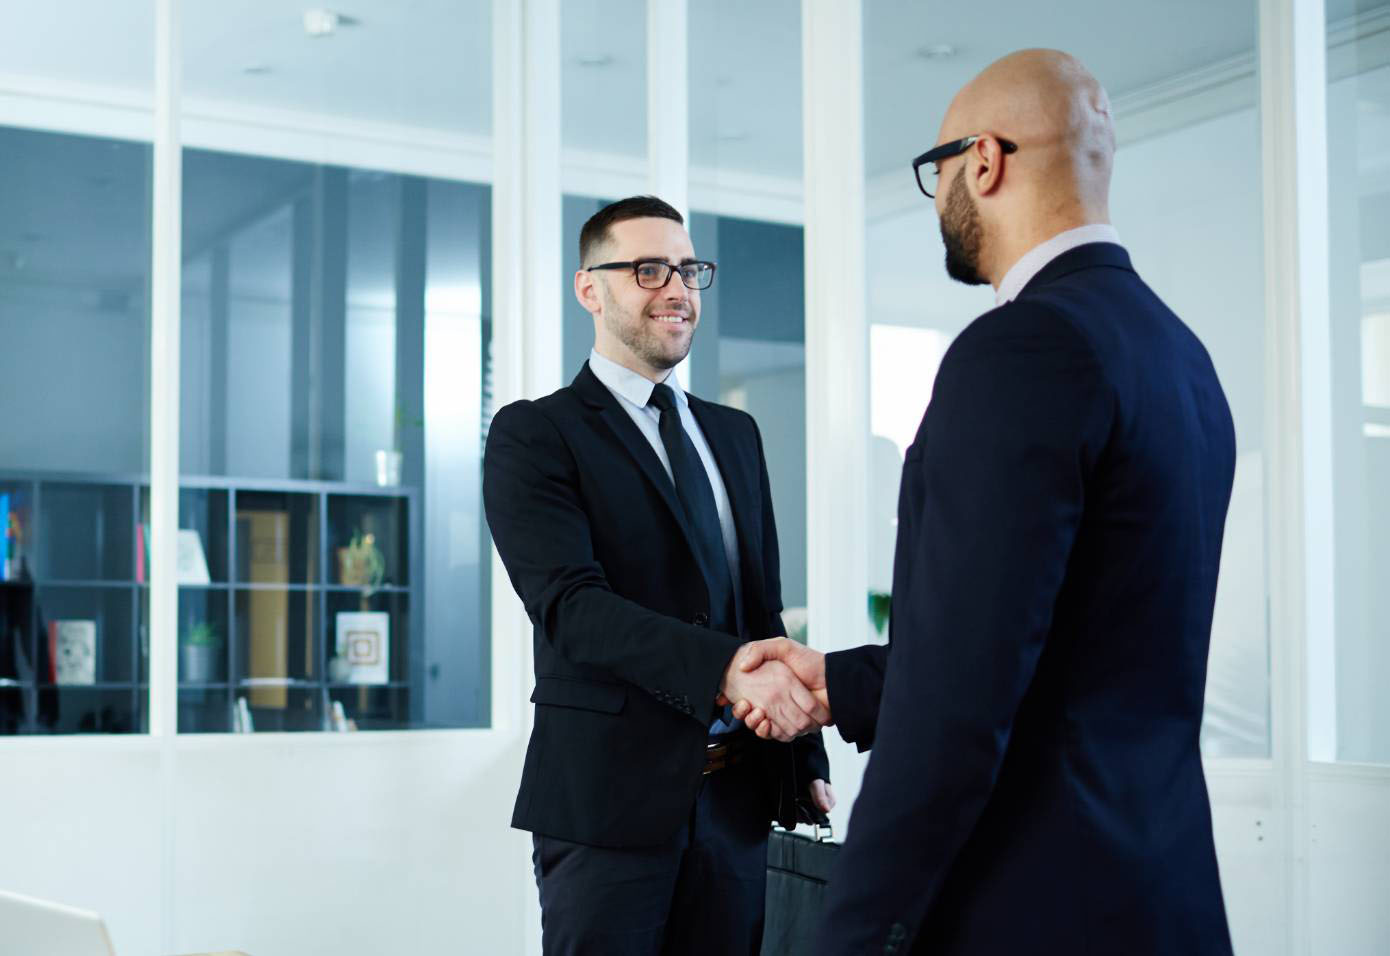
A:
66, 201
428, 62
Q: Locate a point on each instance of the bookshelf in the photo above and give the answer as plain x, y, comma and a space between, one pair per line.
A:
258, 634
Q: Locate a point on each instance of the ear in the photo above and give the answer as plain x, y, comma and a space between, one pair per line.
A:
586, 293
989, 170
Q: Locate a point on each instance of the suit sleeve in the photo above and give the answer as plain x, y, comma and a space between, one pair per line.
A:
993, 495
808, 752
854, 679
536, 514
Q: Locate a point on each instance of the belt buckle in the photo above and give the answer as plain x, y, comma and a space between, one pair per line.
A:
716, 757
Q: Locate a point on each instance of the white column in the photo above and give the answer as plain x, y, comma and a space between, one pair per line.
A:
165, 277
668, 102
837, 367
164, 377
1293, 108
668, 124
526, 309
526, 279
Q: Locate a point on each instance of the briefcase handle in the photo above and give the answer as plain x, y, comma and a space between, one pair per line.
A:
820, 832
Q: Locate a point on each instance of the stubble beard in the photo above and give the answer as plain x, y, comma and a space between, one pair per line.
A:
641, 338
962, 233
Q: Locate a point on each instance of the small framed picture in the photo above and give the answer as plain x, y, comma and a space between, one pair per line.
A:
364, 646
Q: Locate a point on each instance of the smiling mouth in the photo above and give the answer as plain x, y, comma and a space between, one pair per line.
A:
669, 319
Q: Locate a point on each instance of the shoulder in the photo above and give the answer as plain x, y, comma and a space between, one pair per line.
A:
1028, 336
538, 419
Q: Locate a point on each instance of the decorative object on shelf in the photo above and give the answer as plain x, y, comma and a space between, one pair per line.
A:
361, 564
388, 461
72, 648
338, 719
388, 468
191, 562
241, 717
339, 669
199, 650
880, 605
11, 542
364, 641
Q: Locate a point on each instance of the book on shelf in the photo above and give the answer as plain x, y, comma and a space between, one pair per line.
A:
191, 561
364, 643
72, 651
5, 536
263, 543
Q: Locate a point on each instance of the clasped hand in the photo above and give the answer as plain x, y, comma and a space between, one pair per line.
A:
777, 688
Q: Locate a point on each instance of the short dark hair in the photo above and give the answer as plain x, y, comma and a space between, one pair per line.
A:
595, 231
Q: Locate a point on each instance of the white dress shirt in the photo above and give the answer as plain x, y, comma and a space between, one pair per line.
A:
1040, 255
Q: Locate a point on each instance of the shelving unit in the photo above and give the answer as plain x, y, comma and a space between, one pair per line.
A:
272, 554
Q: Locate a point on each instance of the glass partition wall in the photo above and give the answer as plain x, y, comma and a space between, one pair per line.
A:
74, 368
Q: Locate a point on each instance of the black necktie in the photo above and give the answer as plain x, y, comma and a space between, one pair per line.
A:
697, 499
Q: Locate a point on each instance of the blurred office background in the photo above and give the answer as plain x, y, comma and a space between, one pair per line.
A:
359, 225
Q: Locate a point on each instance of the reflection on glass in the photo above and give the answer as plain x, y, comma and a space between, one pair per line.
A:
74, 330
335, 365
1355, 722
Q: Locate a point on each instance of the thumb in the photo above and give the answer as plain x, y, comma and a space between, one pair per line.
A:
752, 657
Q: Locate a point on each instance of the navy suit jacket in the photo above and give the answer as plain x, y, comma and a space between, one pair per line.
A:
1035, 784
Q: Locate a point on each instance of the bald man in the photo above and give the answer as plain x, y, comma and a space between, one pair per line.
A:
1035, 785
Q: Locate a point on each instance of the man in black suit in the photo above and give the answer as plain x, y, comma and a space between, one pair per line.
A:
1035, 784
636, 525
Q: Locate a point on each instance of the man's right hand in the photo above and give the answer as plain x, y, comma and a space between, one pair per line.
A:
785, 708
808, 665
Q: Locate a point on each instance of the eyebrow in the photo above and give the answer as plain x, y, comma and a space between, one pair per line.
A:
684, 262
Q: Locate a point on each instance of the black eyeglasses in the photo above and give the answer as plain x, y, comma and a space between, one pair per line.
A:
655, 273
945, 151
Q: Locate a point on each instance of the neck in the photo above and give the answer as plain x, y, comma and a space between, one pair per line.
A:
624, 357
1019, 235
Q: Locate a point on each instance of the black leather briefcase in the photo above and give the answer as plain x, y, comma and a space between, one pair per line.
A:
798, 874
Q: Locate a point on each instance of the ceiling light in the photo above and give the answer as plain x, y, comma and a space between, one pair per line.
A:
320, 22
937, 51
256, 69
731, 135
595, 61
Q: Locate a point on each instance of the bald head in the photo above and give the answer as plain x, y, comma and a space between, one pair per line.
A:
1050, 106
1048, 103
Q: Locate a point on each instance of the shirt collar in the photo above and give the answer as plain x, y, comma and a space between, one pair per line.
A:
1040, 255
627, 384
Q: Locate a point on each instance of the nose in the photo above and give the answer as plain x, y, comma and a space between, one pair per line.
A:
675, 290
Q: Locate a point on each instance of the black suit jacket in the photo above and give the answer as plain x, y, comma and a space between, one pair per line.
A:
1035, 784
627, 668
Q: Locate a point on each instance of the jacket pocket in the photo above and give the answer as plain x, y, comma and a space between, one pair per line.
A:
580, 694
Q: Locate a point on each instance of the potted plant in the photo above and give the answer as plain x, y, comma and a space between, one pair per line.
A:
361, 564
200, 650
388, 461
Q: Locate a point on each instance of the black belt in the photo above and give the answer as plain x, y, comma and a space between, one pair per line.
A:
723, 752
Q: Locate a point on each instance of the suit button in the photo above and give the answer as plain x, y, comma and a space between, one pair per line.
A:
702, 619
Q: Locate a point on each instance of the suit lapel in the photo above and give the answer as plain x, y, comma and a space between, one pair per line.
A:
596, 394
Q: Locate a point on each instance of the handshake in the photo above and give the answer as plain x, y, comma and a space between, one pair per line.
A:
777, 688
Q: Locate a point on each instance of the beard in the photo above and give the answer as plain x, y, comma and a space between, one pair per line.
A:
642, 338
962, 234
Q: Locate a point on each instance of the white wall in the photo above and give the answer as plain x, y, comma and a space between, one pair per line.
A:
284, 845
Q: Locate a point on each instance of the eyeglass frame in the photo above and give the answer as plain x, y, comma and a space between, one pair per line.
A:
672, 269
954, 148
